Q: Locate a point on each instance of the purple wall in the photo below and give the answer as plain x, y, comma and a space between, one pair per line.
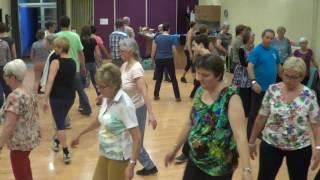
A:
103, 9
183, 19
160, 11
136, 14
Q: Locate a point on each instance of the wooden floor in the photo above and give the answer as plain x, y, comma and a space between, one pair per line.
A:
47, 165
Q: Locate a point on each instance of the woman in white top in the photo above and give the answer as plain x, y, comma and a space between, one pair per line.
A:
134, 85
119, 135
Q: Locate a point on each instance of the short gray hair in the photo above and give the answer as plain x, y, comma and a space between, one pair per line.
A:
130, 45
281, 28
126, 20
16, 68
50, 38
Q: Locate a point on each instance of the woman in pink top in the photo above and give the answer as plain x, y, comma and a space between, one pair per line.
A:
100, 43
134, 85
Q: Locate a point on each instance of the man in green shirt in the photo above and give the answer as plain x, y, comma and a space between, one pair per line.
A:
76, 53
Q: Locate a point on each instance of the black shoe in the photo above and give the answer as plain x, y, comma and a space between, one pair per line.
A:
178, 99
181, 159
156, 98
168, 80
55, 145
83, 112
183, 79
66, 158
145, 172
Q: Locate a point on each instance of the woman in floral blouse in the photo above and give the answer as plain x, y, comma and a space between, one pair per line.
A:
21, 130
287, 112
217, 131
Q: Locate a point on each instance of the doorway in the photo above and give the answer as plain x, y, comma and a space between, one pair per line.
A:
33, 15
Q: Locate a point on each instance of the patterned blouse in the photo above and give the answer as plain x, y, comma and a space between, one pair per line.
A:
26, 135
213, 147
288, 123
115, 141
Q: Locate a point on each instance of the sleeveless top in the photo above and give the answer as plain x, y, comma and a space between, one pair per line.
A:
213, 148
63, 85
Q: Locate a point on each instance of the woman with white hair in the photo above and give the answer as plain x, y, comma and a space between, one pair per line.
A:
21, 130
134, 85
308, 56
287, 112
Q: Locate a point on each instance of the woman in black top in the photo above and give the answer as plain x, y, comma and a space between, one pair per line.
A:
61, 91
90, 49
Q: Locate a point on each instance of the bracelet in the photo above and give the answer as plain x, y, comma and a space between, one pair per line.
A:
317, 147
133, 162
247, 169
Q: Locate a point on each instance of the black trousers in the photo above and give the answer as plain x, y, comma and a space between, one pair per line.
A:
189, 63
192, 172
245, 95
186, 149
166, 75
161, 64
256, 100
6, 89
271, 158
305, 80
196, 85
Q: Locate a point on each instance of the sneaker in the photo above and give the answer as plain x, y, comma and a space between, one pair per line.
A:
68, 126
83, 112
181, 159
66, 158
55, 146
183, 79
145, 172
168, 80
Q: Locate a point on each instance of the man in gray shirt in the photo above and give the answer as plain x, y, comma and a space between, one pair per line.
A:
236, 44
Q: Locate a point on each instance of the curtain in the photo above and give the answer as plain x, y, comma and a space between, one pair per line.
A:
81, 14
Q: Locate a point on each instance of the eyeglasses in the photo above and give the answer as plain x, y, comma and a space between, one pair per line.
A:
102, 87
291, 77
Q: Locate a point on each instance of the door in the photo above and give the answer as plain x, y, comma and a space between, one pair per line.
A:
33, 15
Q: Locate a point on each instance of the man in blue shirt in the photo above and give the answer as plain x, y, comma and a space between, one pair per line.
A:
263, 65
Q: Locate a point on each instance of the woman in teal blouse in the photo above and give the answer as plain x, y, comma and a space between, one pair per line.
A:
217, 131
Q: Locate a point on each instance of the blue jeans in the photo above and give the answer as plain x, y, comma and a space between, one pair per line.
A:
83, 98
144, 157
92, 69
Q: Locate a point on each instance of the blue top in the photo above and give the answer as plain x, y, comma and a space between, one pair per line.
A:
265, 61
283, 47
164, 46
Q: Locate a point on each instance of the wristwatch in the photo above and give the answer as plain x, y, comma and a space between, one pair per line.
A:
249, 170
253, 81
